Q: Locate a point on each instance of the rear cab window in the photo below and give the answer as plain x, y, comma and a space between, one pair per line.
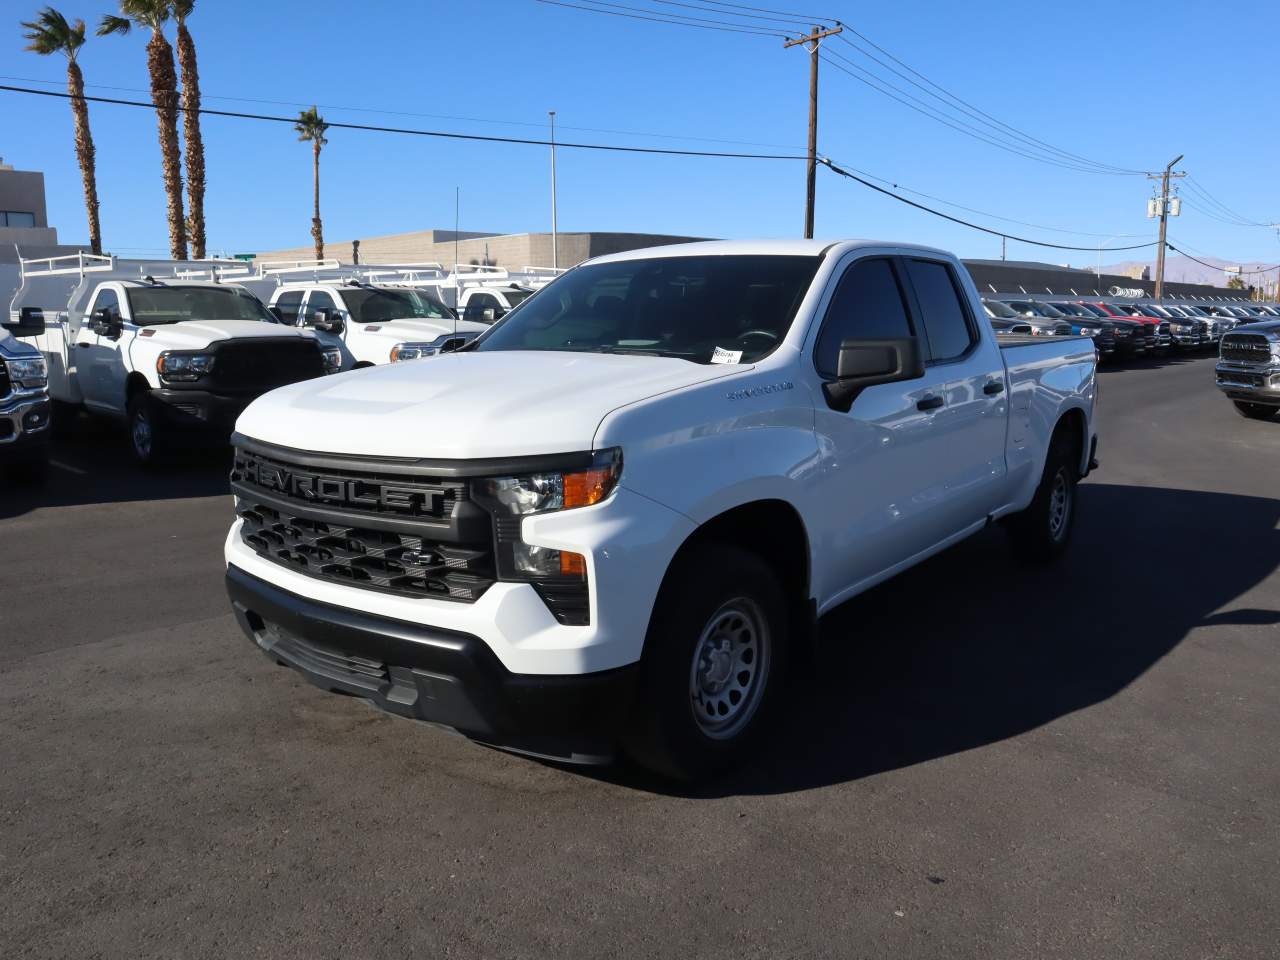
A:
943, 312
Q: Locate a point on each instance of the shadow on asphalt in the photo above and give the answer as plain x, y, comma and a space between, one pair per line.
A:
91, 463
1171, 358
971, 648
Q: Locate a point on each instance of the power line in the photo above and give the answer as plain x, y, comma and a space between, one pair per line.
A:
794, 22
806, 18
957, 125
1218, 266
946, 216
659, 17
985, 213
206, 111
541, 124
969, 108
1222, 208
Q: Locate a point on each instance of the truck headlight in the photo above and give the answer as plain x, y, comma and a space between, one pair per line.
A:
28, 372
332, 359
1090, 331
1123, 331
413, 351
176, 367
559, 576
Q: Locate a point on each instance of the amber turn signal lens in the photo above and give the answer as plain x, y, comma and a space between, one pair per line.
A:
572, 564
588, 487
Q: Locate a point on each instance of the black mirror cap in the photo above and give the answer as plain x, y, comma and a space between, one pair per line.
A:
30, 323
866, 363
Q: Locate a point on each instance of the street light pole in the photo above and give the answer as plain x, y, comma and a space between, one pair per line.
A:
555, 237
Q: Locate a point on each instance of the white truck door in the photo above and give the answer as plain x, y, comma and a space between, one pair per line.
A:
879, 488
100, 357
969, 427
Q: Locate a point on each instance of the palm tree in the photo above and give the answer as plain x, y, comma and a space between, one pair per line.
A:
181, 10
152, 14
311, 126
50, 33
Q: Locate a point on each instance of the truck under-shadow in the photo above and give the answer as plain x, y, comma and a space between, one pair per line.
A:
971, 648
90, 463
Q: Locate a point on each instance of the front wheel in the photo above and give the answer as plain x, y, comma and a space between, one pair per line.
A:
715, 655
1042, 530
146, 438
1255, 411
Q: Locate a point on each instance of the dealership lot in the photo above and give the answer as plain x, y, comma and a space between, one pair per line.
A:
987, 760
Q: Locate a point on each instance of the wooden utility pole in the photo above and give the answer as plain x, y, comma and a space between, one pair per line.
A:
1164, 220
812, 181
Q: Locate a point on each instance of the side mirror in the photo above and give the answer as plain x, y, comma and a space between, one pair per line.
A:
104, 324
865, 363
30, 323
329, 321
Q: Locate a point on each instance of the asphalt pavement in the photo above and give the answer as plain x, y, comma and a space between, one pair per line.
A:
986, 761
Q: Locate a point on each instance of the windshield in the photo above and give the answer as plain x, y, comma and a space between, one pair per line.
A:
1001, 310
155, 305
734, 307
1072, 309
377, 304
1096, 311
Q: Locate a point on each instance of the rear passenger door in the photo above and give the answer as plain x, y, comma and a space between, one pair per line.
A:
971, 400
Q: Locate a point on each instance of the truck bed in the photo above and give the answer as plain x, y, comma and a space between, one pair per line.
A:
1007, 340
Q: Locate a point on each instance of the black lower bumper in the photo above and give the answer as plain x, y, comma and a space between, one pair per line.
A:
198, 409
439, 676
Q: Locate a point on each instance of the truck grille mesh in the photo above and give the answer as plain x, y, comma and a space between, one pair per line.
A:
264, 364
5, 386
1246, 348
380, 560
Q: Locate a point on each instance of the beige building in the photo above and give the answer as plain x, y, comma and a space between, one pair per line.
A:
24, 219
511, 251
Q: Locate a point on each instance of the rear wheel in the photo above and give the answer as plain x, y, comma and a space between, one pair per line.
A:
715, 655
1255, 411
1041, 531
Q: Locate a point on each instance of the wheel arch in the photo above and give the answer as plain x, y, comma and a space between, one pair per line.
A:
1074, 426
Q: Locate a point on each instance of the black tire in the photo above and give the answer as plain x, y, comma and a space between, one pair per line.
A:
1042, 531
1255, 411
146, 437
723, 606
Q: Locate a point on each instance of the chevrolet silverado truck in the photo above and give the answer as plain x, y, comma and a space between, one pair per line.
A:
612, 518
25, 410
177, 359
1248, 369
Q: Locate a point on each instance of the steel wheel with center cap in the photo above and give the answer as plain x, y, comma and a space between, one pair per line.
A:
145, 438
714, 658
1042, 530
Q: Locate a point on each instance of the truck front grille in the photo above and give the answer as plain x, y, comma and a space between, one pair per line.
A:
1246, 348
371, 528
259, 365
5, 386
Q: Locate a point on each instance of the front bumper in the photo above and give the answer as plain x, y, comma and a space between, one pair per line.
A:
25, 417
443, 677
1251, 383
198, 409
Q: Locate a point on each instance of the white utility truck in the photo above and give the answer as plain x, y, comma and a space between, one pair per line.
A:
611, 518
178, 358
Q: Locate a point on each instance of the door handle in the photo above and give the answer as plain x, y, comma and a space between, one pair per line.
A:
83, 344
993, 387
929, 403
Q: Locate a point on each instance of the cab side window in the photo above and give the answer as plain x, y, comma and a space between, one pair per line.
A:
868, 305
319, 300
942, 311
109, 301
289, 304
483, 308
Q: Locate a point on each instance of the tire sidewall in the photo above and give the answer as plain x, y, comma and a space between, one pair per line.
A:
667, 737
141, 406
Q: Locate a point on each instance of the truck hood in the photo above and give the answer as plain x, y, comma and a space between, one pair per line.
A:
417, 329
467, 405
195, 334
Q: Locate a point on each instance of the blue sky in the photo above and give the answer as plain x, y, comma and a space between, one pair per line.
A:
1104, 80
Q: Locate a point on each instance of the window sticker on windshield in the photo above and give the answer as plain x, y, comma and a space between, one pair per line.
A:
721, 355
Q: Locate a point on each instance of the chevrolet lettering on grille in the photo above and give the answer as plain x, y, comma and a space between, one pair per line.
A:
412, 499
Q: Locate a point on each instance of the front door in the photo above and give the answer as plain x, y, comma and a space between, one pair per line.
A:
99, 358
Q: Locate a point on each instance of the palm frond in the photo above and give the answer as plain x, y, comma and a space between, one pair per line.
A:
110, 24
50, 33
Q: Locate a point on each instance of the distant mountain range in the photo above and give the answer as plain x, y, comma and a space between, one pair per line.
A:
1183, 270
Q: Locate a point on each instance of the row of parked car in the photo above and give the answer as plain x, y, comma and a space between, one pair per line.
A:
1125, 328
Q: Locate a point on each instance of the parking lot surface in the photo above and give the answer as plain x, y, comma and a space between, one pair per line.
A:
987, 760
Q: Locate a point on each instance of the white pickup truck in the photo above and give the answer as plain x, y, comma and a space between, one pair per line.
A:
179, 359
611, 518
369, 323
25, 410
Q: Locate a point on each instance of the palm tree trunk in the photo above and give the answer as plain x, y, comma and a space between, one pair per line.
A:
194, 143
164, 94
317, 231
85, 153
